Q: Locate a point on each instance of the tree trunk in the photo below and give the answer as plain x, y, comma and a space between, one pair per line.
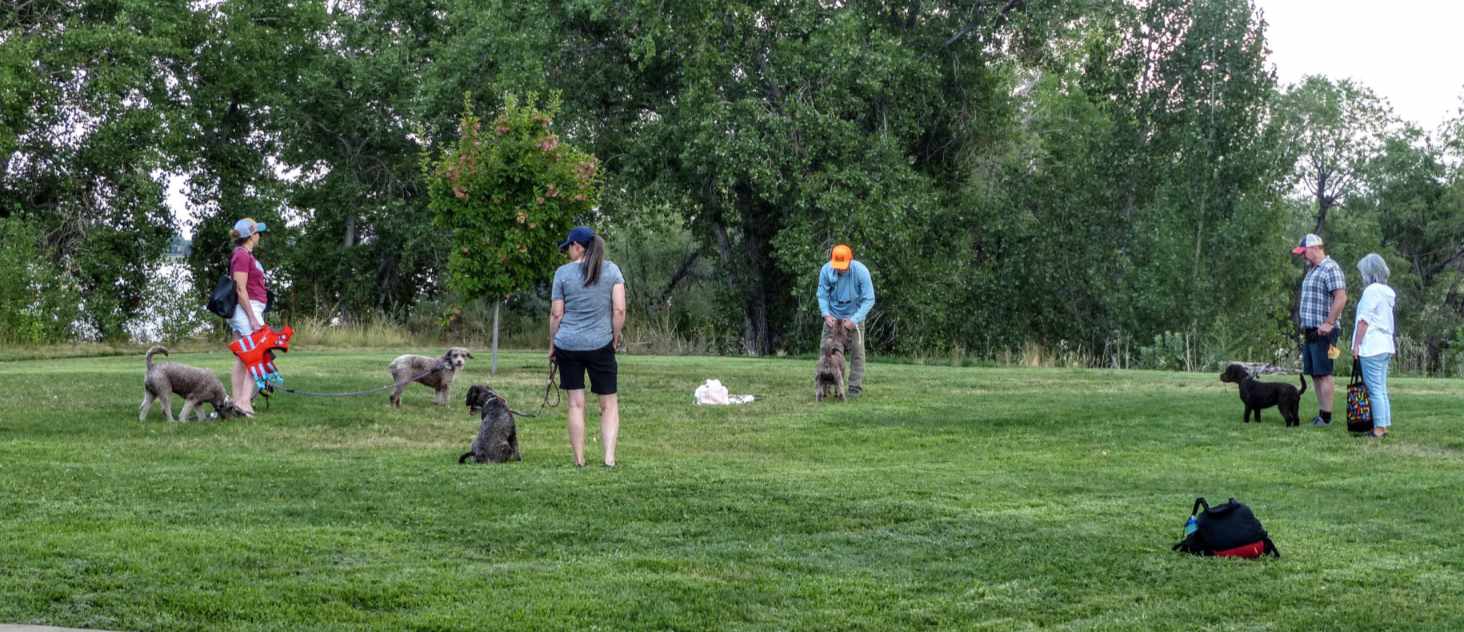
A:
350, 237
759, 224
735, 278
751, 271
493, 362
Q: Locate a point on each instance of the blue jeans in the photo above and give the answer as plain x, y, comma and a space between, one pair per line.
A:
1375, 375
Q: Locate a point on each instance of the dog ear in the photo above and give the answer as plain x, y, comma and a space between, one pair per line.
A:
469, 354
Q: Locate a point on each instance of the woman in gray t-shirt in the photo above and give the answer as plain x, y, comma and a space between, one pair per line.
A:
585, 320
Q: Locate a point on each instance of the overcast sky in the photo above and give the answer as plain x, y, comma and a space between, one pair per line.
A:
1410, 52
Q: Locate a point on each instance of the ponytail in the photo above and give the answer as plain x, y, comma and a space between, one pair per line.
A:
593, 260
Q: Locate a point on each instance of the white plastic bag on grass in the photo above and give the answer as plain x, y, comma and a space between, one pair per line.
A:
714, 394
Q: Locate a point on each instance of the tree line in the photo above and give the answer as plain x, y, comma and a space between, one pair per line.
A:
1100, 176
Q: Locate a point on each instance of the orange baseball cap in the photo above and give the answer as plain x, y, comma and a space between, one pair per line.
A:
842, 256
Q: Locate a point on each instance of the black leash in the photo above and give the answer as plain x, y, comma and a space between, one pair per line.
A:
548, 386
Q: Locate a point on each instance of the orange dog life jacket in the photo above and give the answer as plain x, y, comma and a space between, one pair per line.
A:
256, 351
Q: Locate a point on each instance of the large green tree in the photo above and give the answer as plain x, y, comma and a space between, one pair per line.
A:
1334, 128
1416, 209
88, 105
779, 129
1133, 194
249, 60
359, 195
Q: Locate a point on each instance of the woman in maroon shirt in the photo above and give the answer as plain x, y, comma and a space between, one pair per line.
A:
248, 278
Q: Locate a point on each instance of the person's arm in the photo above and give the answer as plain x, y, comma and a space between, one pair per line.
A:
556, 314
1339, 300
866, 298
241, 280
823, 298
617, 312
1357, 337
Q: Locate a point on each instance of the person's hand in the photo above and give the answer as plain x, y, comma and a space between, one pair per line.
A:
849, 324
1324, 329
615, 342
551, 353
1354, 349
830, 321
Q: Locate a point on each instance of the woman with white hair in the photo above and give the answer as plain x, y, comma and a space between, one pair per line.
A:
1372, 337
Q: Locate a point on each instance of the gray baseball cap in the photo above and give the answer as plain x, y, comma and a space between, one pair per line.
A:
247, 227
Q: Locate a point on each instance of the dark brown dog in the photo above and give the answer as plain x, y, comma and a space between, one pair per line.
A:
829, 379
1258, 395
497, 439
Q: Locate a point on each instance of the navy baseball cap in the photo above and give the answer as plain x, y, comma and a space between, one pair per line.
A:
581, 235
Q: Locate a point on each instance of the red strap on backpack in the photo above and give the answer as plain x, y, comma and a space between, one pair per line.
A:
1248, 551
1251, 551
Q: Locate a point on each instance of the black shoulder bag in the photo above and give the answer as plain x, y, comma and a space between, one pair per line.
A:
224, 297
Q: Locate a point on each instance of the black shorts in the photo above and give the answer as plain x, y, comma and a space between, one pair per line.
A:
600, 364
1314, 360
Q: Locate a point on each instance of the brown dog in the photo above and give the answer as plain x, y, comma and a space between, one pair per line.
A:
829, 375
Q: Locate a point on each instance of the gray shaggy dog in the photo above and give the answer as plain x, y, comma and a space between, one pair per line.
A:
497, 439
436, 373
828, 376
194, 385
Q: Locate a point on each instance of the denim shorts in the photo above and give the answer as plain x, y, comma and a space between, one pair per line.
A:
1314, 360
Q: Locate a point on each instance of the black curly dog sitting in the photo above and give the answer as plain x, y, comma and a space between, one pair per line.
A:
1258, 395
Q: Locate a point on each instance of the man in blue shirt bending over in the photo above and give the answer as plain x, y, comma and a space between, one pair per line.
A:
845, 296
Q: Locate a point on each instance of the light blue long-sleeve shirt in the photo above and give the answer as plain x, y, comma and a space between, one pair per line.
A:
847, 296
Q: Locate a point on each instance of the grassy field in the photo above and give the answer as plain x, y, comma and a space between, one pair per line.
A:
946, 498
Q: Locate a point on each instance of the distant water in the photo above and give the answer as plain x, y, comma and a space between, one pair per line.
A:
173, 307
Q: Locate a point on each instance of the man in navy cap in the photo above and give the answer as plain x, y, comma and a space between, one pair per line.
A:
1323, 295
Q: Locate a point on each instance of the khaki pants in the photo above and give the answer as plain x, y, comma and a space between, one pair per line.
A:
855, 353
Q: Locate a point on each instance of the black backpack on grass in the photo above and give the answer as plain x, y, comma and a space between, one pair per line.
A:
1228, 530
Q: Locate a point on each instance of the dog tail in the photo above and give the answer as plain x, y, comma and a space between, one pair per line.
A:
150, 353
464, 458
1303, 384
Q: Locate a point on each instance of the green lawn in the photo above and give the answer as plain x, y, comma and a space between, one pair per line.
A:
947, 498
